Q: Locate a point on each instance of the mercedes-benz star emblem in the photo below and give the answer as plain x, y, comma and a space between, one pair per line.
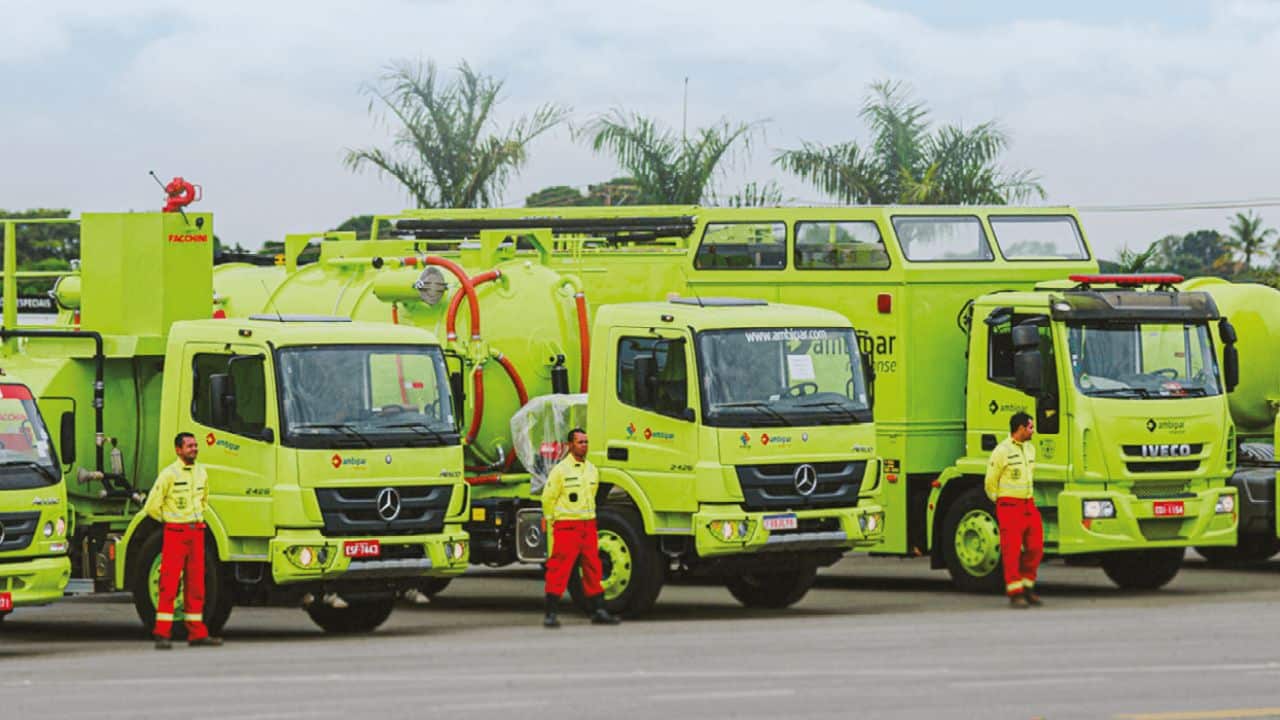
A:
388, 504
806, 479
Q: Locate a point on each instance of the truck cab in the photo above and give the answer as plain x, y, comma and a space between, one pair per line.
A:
1132, 428
33, 505
333, 459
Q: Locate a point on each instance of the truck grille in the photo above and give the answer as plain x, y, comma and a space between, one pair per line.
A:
1163, 529
1159, 466
1151, 490
354, 510
17, 530
773, 487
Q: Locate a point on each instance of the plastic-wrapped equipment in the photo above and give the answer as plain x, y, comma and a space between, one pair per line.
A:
540, 432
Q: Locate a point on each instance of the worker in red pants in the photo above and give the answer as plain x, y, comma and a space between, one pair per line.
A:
178, 500
569, 508
1009, 484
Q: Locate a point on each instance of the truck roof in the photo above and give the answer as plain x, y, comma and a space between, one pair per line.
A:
710, 313
294, 330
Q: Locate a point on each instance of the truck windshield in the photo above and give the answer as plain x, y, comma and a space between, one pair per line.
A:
26, 455
1147, 360
775, 376
376, 396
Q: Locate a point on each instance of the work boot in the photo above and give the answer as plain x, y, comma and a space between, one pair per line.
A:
1033, 598
602, 616
205, 642
163, 643
1019, 602
550, 621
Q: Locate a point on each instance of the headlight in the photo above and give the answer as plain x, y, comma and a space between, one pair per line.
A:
1226, 505
60, 527
455, 550
48, 529
870, 522
729, 530
306, 557
1094, 509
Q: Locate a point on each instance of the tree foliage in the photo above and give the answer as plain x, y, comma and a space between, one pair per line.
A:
447, 149
618, 191
1248, 237
668, 168
908, 162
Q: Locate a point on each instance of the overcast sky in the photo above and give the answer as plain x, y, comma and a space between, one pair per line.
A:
1111, 103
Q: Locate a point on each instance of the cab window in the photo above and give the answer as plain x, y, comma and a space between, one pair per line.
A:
248, 414
840, 246
743, 246
652, 375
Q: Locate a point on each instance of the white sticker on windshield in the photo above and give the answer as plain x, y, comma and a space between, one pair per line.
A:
800, 367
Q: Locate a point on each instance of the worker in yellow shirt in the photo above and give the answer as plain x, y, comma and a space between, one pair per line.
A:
1008, 484
569, 508
178, 501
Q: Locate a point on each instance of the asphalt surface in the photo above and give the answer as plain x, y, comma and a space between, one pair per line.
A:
877, 638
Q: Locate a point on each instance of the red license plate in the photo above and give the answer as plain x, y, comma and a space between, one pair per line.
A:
362, 548
6, 602
1168, 508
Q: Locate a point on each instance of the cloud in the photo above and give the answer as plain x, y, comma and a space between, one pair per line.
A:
257, 100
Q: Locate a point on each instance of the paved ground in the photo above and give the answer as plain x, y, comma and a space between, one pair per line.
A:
877, 638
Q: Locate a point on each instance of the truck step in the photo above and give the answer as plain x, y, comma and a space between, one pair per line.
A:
79, 586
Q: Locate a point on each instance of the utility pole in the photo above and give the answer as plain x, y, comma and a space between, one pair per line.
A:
684, 113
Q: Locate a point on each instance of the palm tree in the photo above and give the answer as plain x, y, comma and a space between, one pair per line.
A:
665, 167
907, 163
447, 150
1248, 236
1132, 261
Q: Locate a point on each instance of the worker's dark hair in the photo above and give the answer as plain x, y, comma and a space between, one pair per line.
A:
574, 432
1019, 419
181, 438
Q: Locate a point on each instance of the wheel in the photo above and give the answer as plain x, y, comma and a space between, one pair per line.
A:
360, 616
1249, 550
433, 586
971, 546
631, 566
146, 588
1143, 569
774, 590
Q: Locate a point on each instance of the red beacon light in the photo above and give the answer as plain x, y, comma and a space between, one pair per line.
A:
1136, 280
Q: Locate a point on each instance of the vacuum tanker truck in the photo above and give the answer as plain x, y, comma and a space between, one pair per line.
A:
967, 315
1255, 312
334, 464
734, 437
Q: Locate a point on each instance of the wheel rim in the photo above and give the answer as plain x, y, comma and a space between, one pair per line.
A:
977, 543
153, 585
615, 564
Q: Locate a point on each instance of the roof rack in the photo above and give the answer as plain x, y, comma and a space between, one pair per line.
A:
638, 229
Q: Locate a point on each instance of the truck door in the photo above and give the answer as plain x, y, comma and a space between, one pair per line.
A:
650, 429
237, 443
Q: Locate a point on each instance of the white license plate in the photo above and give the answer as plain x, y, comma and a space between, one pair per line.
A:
780, 522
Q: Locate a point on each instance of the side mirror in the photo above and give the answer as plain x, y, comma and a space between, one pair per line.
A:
1230, 355
267, 435
643, 379
222, 398
1028, 371
1227, 332
67, 438
1025, 336
689, 415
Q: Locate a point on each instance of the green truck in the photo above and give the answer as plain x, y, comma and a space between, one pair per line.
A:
734, 437
1135, 440
334, 463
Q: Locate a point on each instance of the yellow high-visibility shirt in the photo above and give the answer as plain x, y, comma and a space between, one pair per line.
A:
1010, 469
180, 495
570, 492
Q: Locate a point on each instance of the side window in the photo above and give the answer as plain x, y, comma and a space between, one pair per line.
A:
652, 375
1000, 355
248, 415
942, 238
840, 246
743, 246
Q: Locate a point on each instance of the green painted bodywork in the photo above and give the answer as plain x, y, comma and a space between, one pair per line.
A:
926, 375
146, 286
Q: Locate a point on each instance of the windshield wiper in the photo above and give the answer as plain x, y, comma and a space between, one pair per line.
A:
1121, 392
835, 405
423, 429
341, 427
48, 475
754, 405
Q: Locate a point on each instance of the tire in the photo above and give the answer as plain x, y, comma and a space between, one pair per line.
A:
971, 543
775, 590
217, 600
1143, 569
433, 586
361, 616
632, 567
1250, 550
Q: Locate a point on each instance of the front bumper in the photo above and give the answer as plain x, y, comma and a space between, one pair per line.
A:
38, 581
827, 529
402, 556
1137, 527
